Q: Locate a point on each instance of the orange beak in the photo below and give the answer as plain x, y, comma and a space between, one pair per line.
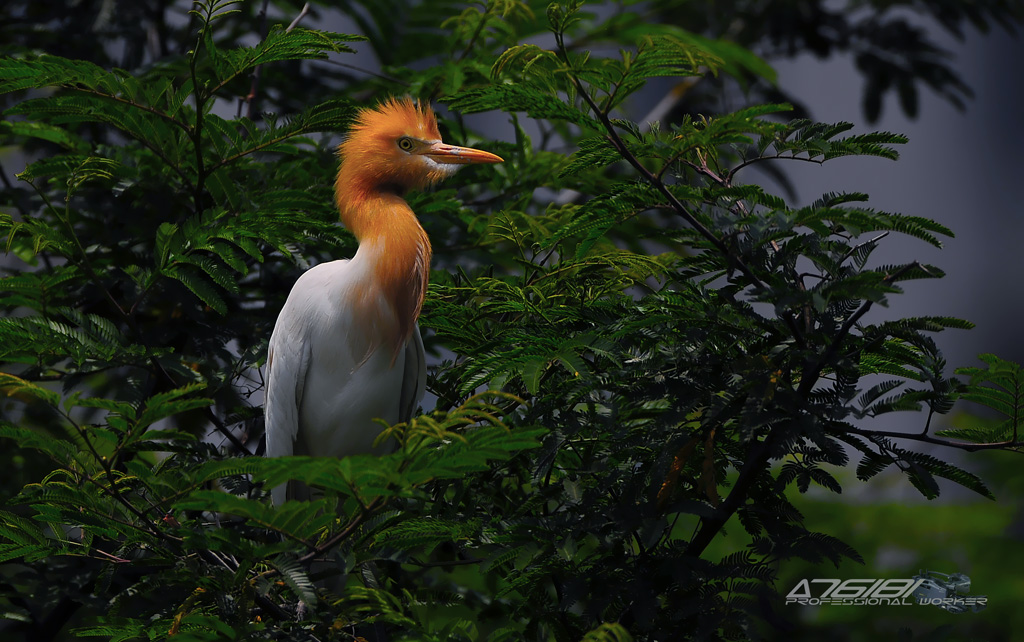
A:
453, 155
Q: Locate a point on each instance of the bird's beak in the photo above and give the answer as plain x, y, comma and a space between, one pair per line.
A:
453, 155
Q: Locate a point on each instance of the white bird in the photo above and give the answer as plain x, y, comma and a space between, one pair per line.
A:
346, 349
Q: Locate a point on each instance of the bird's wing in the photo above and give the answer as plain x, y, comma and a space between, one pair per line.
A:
287, 362
414, 379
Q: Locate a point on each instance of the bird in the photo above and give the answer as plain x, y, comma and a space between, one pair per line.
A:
346, 349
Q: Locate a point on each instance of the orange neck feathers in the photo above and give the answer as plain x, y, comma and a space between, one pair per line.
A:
391, 149
368, 191
398, 253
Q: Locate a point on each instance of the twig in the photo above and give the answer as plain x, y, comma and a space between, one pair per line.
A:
382, 76
476, 34
257, 71
758, 159
112, 558
298, 18
850, 252
338, 537
124, 101
254, 86
962, 445
195, 134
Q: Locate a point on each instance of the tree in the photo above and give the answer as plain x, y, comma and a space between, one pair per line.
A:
659, 351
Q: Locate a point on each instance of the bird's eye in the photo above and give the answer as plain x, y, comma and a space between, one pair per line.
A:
405, 144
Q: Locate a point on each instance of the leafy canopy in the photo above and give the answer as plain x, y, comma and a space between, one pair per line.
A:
643, 345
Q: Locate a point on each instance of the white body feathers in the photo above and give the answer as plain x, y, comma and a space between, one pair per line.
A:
323, 391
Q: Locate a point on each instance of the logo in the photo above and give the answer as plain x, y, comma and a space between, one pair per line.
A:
948, 592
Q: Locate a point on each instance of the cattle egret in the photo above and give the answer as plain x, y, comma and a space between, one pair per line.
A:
346, 349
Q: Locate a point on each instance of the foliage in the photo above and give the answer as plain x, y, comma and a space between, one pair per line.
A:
645, 346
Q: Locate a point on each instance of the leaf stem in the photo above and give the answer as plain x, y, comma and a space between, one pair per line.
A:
1009, 445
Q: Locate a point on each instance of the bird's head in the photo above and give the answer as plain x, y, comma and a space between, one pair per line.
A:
396, 146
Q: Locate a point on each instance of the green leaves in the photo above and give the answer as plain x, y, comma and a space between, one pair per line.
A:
234, 139
920, 469
146, 222
279, 45
204, 253
514, 98
18, 74
299, 521
658, 56
999, 386
608, 632
820, 140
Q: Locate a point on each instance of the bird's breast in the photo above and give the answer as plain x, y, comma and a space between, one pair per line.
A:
353, 374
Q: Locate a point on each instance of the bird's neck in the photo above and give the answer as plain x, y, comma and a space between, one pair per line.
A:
395, 252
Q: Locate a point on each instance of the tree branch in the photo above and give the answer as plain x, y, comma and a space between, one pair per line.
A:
341, 535
298, 18
675, 203
758, 456
757, 159
1008, 445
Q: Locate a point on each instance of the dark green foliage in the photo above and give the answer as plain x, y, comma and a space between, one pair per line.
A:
661, 346
999, 387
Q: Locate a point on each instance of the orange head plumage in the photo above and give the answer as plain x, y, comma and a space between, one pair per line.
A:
396, 146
